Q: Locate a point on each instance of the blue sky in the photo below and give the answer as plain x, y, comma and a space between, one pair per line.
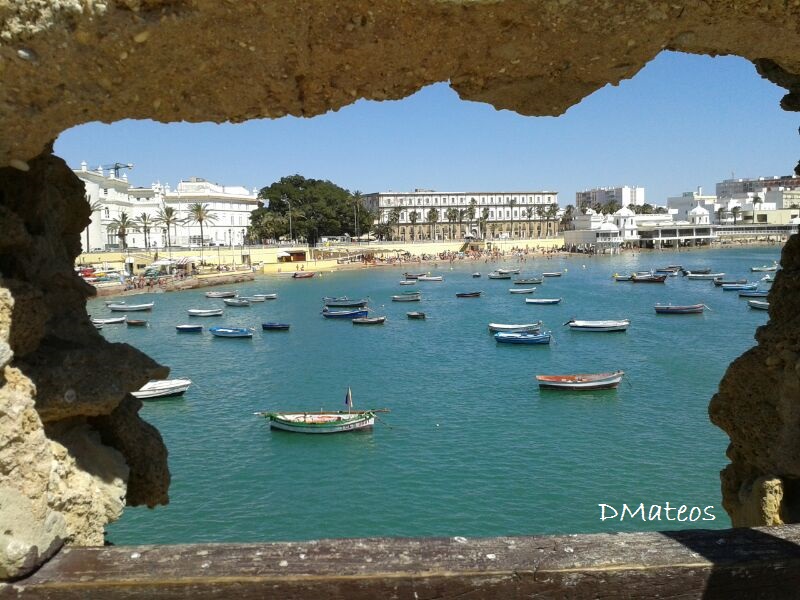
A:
683, 121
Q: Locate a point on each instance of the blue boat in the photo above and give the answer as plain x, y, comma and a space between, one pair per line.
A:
733, 287
275, 326
232, 332
188, 328
753, 293
522, 337
344, 302
344, 314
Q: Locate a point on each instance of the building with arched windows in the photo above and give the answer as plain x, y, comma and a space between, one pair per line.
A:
431, 215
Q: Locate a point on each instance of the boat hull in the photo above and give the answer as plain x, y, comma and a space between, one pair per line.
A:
332, 422
542, 300
344, 314
200, 312
130, 307
522, 338
599, 326
275, 326
679, 310
469, 295
515, 327
416, 315
231, 332
584, 382
758, 304
225, 294
164, 388
188, 328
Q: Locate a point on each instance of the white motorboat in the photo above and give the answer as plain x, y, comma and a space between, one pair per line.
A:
542, 300
130, 307
163, 388
205, 312
264, 296
221, 294
108, 321
522, 290
515, 327
608, 325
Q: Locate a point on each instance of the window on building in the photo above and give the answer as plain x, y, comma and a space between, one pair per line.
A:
108, 213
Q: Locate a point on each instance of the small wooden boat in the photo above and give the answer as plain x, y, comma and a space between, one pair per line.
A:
618, 277
542, 300
688, 272
413, 276
506, 271
236, 302
674, 309
476, 275
356, 313
321, 422
703, 276
552, 274
344, 302
498, 275
648, 278
275, 326
522, 337
720, 281
130, 307
265, 296
753, 293
108, 321
407, 297
408, 282
528, 281
221, 294
416, 315
607, 325
468, 294
583, 381
205, 312
136, 322
758, 304
764, 268
252, 299
369, 321
303, 274
232, 332
163, 388
188, 328
735, 287
515, 327
430, 278
522, 290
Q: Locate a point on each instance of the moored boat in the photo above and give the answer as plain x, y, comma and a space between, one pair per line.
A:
687, 272
648, 278
232, 332
719, 281
618, 277
763, 268
356, 313
515, 327
108, 321
344, 302
758, 304
221, 294
130, 307
236, 302
675, 309
753, 293
542, 300
321, 422
407, 282
204, 312
513, 271
275, 326
188, 328
430, 278
253, 298
522, 337
265, 296
734, 287
522, 290
416, 315
136, 322
408, 297
583, 381
552, 274
476, 275
162, 388
528, 281
303, 274
468, 294
606, 325
413, 276
498, 275
369, 320
703, 276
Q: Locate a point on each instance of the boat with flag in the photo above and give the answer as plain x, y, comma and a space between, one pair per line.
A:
583, 381
323, 421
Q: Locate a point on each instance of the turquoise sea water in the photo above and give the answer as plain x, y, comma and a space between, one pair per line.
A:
471, 446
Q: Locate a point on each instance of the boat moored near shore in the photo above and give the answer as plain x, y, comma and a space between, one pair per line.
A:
583, 381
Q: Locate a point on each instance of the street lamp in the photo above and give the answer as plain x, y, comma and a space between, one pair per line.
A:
230, 239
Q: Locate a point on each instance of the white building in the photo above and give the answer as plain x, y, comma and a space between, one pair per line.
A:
624, 196
112, 195
679, 206
527, 213
732, 188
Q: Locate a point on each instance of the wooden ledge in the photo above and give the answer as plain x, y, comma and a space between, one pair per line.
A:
732, 563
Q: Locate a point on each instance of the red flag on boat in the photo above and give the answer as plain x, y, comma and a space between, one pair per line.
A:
348, 398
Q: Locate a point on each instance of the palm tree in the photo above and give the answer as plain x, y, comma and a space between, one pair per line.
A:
736, 210
482, 221
146, 223
167, 217
720, 213
93, 208
462, 212
394, 220
540, 212
566, 219
433, 218
550, 213
122, 226
473, 207
512, 203
413, 216
199, 213
451, 214
529, 216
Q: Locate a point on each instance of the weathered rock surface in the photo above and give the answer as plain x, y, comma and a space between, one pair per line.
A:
63, 476
67, 62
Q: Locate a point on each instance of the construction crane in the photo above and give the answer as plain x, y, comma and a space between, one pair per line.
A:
116, 167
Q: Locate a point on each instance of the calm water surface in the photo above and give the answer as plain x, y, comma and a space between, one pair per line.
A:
471, 446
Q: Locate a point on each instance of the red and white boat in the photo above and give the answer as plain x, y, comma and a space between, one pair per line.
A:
584, 381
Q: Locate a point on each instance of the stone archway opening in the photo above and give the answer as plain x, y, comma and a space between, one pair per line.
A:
68, 63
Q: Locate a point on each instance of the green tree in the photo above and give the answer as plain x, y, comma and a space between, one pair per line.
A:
200, 213
550, 213
462, 213
541, 210
528, 216
394, 220
382, 230
735, 211
482, 221
167, 218
566, 218
93, 208
720, 214
145, 222
433, 218
512, 203
471, 211
122, 226
413, 217
451, 214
